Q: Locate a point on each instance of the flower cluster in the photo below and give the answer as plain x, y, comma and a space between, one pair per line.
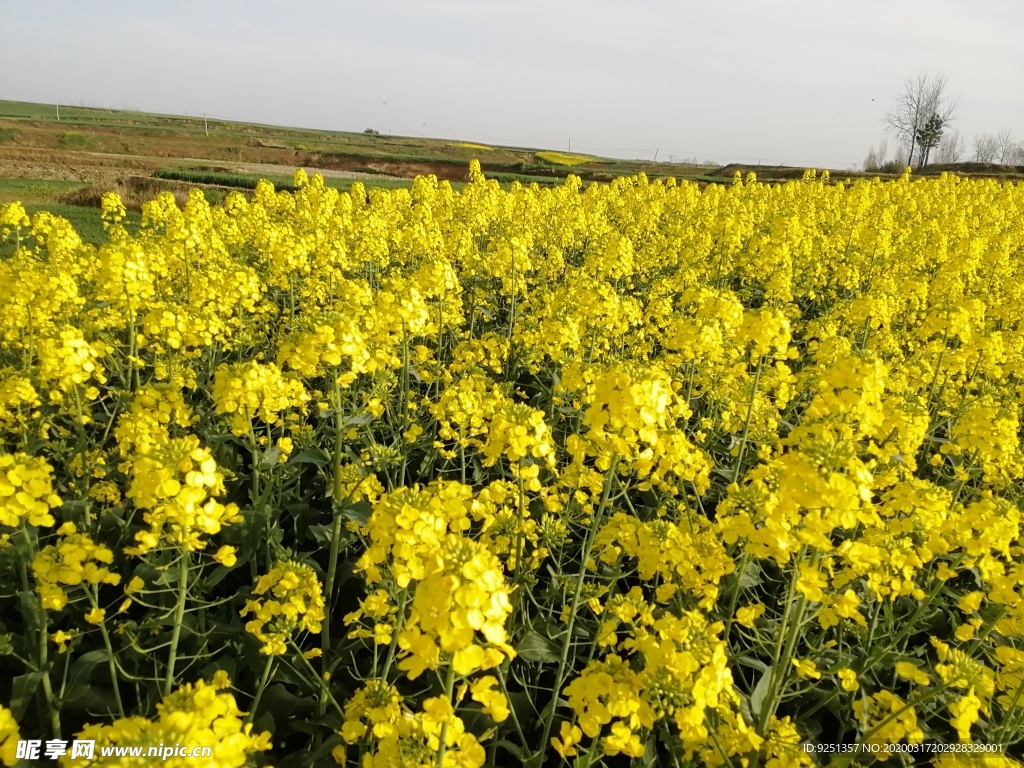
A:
203, 714
415, 740
248, 390
176, 483
9, 738
462, 593
73, 561
26, 490
294, 602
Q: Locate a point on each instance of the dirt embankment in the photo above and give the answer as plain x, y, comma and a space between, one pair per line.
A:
346, 165
57, 165
69, 165
136, 190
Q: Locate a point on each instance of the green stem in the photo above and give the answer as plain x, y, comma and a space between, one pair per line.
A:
403, 423
179, 616
512, 710
577, 592
339, 426
133, 350
267, 668
734, 597
255, 449
449, 686
396, 630
938, 368
783, 671
94, 599
1005, 727
746, 425
986, 631
324, 690
520, 544
332, 571
52, 707
51, 704
787, 641
257, 500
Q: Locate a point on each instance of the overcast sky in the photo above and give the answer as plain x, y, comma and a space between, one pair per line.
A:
802, 82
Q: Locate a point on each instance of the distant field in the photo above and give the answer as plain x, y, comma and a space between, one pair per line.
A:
71, 161
35, 190
99, 146
249, 180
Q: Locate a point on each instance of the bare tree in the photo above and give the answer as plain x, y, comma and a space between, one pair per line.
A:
951, 147
986, 148
1014, 154
1006, 147
876, 157
923, 98
879, 160
999, 148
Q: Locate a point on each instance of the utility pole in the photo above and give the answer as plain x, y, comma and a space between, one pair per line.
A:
656, 154
570, 145
58, 112
205, 126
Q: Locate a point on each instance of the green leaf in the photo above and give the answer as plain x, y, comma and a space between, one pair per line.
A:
358, 513
357, 420
255, 528
751, 576
321, 534
650, 758
226, 662
74, 507
757, 697
218, 576
524, 706
311, 456
515, 750
31, 609
286, 705
536, 647
269, 457
81, 670
23, 688
750, 661
265, 722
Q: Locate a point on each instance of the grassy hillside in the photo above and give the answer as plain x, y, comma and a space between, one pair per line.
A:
71, 161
